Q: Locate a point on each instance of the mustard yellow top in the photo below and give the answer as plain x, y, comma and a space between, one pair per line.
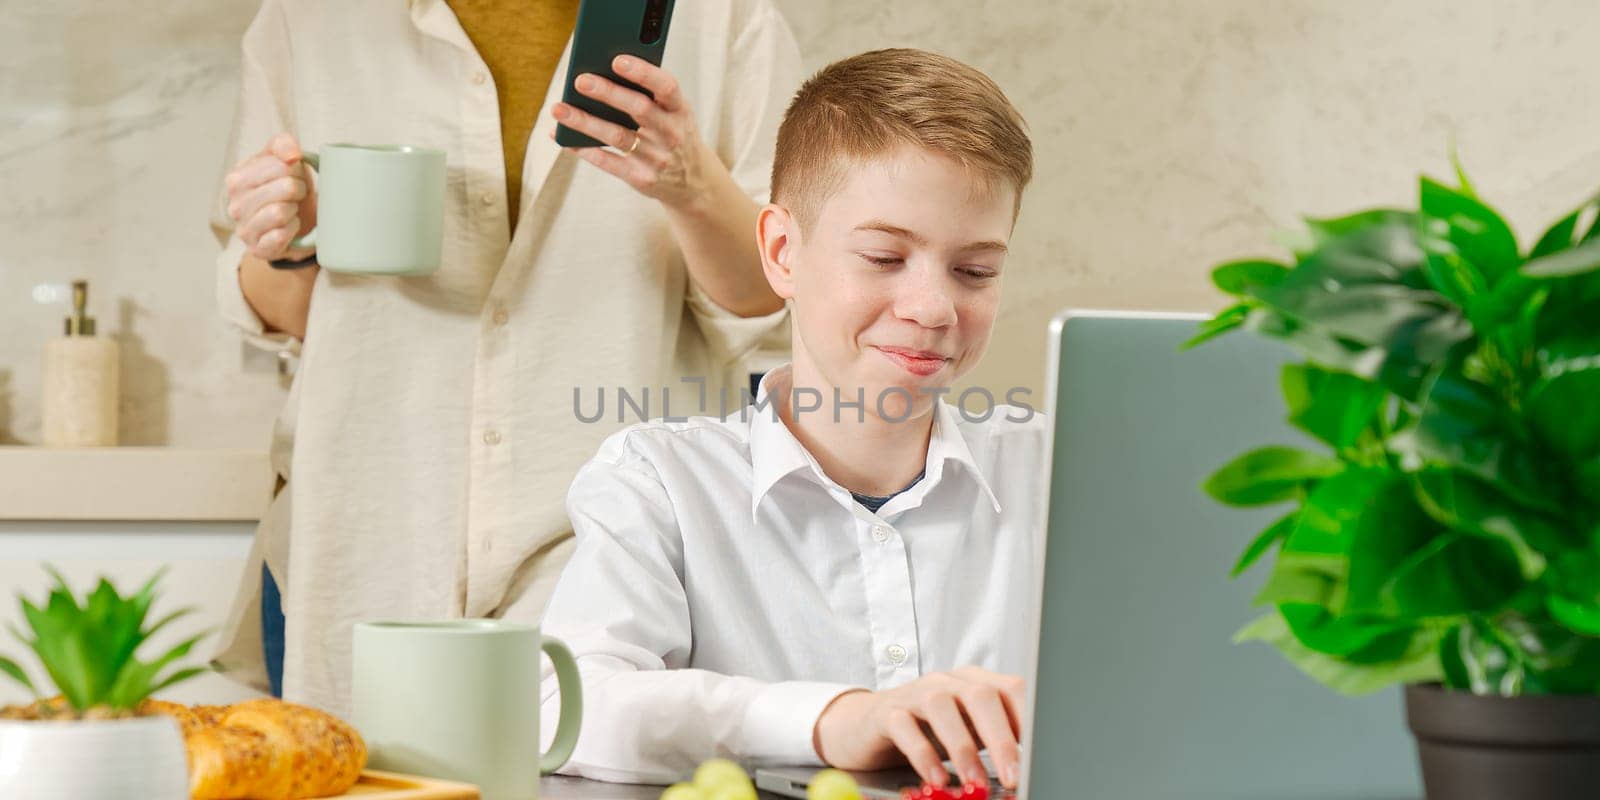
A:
521, 42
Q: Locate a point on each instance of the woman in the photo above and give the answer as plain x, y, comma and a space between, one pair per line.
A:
430, 431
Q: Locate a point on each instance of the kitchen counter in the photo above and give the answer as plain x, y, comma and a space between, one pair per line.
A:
133, 483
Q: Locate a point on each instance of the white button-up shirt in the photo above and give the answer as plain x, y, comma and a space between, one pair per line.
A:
432, 418
724, 590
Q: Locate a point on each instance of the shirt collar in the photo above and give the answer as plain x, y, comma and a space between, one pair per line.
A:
775, 453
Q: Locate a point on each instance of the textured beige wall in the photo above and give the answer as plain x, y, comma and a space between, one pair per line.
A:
1170, 134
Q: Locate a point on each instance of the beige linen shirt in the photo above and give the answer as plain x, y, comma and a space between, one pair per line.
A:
431, 430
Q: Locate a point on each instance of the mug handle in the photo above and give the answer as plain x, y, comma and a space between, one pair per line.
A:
310, 239
571, 688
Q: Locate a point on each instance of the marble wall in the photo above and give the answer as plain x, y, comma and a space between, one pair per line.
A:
1170, 134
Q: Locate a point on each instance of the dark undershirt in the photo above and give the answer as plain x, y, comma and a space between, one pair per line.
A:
874, 502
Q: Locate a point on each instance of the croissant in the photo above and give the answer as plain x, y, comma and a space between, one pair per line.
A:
237, 764
266, 750
325, 754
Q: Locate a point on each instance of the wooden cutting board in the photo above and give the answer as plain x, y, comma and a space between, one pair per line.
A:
376, 785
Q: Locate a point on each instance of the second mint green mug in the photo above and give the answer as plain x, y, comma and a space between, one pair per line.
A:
459, 700
380, 209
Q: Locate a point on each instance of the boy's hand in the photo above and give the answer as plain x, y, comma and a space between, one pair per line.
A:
953, 714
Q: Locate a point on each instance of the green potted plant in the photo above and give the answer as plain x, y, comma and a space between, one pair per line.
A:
1445, 534
91, 742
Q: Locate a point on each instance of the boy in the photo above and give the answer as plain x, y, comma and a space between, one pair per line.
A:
839, 573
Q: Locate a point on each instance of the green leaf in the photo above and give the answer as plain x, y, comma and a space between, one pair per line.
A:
1276, 532
1269, 475
1512, 655
17, 674
1240, 277
1342, 635
1564, 233
1418, 664
1226, 320
1468, 504
1461, 173
1335, 407
1564, 403
1330, 510
1313, 579
1320, 231
1405, 565
1455, 574
1575, 597
1463, 424
1584, 258
177, 677
1477, 232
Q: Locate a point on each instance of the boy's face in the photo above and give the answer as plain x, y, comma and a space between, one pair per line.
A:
897, 282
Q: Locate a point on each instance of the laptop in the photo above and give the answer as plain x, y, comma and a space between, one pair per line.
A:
1138, 692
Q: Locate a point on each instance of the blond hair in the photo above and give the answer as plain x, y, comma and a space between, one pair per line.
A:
871, 104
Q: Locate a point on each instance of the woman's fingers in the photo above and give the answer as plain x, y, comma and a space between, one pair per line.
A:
908, 737
285, 189
658, 81
638, 105
607, 132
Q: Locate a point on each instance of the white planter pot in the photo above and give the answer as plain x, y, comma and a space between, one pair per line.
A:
101, 760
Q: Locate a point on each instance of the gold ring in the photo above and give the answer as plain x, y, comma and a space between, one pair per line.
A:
635, 145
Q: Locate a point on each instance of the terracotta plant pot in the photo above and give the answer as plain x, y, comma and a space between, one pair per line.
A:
1502, 748
121, 759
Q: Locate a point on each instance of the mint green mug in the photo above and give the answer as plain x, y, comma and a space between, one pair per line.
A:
380, 209
459, 700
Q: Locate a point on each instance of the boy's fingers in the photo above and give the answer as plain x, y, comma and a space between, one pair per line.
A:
912, 743
1013, 691
950, 725
989, 717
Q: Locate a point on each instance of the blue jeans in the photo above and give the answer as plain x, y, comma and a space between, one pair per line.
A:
272, 630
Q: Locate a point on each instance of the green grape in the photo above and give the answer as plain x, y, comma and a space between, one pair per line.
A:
733, 791
831, 784
719, 772
683, 791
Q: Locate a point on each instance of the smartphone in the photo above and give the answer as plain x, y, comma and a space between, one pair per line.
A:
607, 29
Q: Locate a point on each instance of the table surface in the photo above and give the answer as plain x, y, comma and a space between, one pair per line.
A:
561, 787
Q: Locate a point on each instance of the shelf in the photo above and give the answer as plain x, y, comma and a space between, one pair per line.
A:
133, 483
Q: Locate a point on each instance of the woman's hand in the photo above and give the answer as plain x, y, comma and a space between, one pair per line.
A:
665, 159
272, 200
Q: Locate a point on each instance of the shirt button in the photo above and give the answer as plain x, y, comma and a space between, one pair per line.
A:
491, 437
500, 317
478, 78
897, 654
487, 199
880, 534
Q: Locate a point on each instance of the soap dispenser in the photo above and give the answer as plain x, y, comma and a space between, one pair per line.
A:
80, 382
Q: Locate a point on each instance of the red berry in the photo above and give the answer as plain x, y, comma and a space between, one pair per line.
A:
974, 791
931, 792
911, 794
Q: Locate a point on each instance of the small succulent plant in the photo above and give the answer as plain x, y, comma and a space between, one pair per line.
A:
89, 650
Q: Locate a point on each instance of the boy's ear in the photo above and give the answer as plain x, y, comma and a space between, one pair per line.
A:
778, 237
